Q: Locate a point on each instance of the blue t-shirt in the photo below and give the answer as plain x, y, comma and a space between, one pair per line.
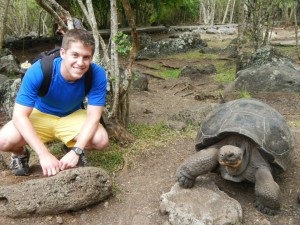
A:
63, 97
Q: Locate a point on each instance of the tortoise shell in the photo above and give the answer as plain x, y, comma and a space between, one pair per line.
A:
255, 120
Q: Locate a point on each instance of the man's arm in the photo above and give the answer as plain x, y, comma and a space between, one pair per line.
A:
49, 164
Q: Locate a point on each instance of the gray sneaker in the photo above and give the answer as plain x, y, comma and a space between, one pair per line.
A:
19, 164
82, 159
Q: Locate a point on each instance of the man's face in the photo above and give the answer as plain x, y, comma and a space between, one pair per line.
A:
76, 61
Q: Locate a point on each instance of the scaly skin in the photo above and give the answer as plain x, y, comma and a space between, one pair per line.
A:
202, 162
266, 191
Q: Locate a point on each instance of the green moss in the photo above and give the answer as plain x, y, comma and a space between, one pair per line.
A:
193, 55
169, 73
225, 73
244, 94
295, 123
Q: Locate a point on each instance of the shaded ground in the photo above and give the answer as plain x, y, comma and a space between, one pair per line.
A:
139, 187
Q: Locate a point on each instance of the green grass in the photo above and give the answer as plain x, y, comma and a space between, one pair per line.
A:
172, 73
218, 44
115, 156
289, 50
225, 74
244, 94
295, 123
194, 55
108, 159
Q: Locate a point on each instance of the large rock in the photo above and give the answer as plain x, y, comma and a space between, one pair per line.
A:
268, 78
172, 46
268, 70
9, 65
267, 55
195, 72
203, 204
139, 81
69, 190
8, 93
3, 78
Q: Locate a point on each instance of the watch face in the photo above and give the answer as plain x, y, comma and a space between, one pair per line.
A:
78, 151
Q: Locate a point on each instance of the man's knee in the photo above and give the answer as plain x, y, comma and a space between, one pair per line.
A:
101, 140
10, 137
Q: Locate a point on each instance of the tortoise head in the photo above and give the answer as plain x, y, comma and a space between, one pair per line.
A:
235, 159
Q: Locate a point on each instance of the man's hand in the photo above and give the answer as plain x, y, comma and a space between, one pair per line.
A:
49, 164
70, 160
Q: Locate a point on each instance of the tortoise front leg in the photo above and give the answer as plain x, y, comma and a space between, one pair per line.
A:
200, 163
266, 191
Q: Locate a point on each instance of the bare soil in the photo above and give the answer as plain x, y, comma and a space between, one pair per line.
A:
139, 187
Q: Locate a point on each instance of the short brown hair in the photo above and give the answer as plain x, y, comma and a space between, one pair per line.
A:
75, 35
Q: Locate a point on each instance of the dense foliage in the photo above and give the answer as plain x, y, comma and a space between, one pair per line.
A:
25, 16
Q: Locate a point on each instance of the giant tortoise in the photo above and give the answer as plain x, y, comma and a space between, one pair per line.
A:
244, 139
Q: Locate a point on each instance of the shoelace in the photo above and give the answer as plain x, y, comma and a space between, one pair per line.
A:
83, 159
16, 163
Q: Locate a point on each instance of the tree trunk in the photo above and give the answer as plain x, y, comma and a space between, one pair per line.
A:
208, 11
3, 16
54, 9
203, 10
90, 16
285, 14
212, 14
114, 60
240, 43
131, 58
296, 27
232, 12
226, 11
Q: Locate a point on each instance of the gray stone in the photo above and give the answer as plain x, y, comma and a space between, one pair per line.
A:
139, 81
9, 66
228, 30
201, 205
212, 30
195, 115
70, 190
175, 125
8, 92
167, 47
267, 55
268, 78
3, 78
195, 73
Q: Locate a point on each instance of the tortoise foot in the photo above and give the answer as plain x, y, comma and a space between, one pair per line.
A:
184, 181
265, 209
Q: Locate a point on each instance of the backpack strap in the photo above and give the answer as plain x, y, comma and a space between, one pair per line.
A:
88, 80
46, 63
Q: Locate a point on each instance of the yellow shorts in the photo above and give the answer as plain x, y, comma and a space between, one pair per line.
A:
51, 128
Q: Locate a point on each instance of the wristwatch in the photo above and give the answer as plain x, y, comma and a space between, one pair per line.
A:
78, 151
